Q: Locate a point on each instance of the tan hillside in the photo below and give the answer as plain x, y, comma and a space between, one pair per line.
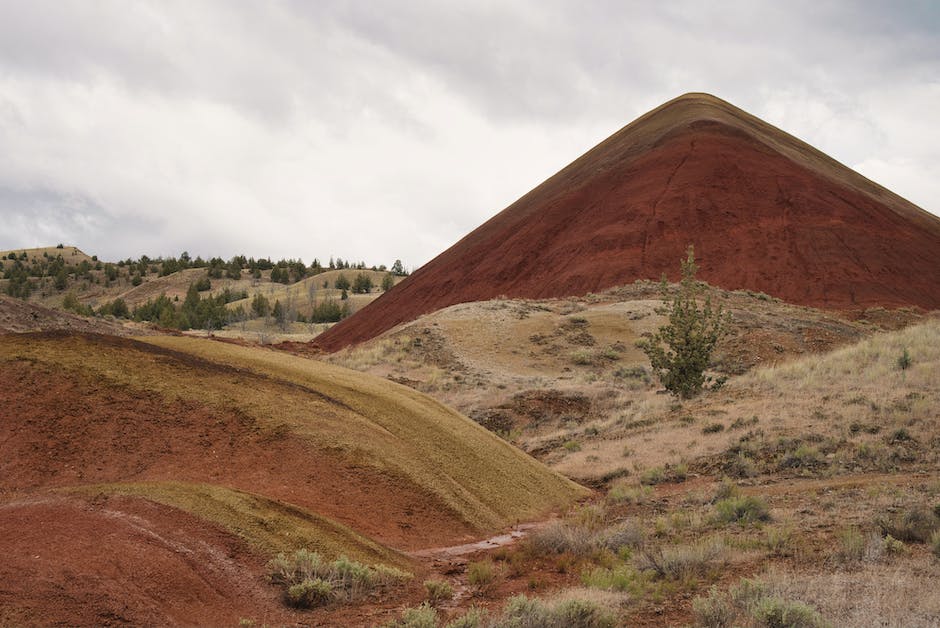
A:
71, 254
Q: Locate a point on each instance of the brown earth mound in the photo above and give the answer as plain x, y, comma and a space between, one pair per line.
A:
18, 316
123, 561
765, 212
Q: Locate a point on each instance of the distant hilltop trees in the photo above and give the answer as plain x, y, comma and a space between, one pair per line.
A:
23, 273
80, 281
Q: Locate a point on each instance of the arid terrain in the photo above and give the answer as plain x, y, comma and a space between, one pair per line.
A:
484, 443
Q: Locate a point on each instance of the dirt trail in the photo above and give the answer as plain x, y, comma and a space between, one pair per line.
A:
494, 542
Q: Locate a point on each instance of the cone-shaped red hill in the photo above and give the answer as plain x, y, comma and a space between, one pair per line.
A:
764, 210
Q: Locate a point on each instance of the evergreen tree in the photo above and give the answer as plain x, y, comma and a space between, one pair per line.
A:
341, 283
680, 350
362, 284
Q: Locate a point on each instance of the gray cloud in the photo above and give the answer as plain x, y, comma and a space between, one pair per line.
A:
389, 129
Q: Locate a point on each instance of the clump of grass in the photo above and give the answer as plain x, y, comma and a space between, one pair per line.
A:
310, 581
681, 561
714, 610
852, 546
481, 576
582, 358
625, 492
655, 475
584, 538
658, 475
437, 590
778, 540
773, 612
310, 593
713, 428
572, 446
935, 543
915, 525
523, 612
803, 457
473, 618
726, 489
744, 509
751, 602
423, 616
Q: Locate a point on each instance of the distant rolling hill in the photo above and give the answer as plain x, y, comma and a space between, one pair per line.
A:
764, 210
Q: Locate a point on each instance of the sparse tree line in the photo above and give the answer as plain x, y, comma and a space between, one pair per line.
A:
23, 275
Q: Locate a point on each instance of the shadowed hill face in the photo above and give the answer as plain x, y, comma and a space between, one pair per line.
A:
765, 212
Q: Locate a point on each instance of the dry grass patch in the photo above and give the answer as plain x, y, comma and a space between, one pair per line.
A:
877, 595
268, 526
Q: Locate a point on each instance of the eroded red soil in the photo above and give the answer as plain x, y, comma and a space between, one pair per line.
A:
124, 561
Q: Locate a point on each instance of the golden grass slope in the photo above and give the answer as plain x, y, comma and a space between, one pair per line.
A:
268, 526
489, 482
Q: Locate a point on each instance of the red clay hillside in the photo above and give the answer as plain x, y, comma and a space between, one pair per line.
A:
764, 210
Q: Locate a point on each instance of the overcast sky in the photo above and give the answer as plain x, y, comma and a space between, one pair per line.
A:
389, 129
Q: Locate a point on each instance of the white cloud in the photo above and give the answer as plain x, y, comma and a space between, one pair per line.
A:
377, 130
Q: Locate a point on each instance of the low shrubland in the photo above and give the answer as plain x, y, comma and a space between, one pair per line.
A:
309, 580
519, 612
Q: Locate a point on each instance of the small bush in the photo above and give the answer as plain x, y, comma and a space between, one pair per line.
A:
584, 538
523, 612
778, 540
714, 611
310, 581
894, 546
474, 618
310, 593
423, 616
750, 598
582, 358
916, 525
656, 475
713, 428
438, 590
852, 546
772, 612
746, 509
726, 490
904, 360
935, 543
481, 576
626, 493
628, 533
679, 562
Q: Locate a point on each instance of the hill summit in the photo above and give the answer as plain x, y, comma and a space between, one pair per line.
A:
764, 210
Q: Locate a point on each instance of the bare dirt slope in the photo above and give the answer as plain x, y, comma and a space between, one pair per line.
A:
123, 561
17, 316
764, 211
